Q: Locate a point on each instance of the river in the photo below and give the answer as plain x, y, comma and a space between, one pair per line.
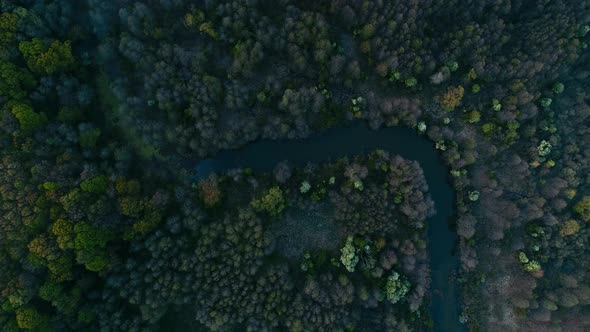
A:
263, 155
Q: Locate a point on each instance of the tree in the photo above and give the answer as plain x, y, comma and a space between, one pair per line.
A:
14, 81
396, 287
450, 100
583, 208
272, 202
349, 257
209, 191
89, 137
27, 118
570, 227
96, 185
8, 28
44, 59
29, 318
90, 244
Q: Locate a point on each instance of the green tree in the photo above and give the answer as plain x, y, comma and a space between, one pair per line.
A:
272, 202
43, 59
14, 81
96, 185
348, 256
90, 243
27, 118
89, 137
64, 233
29, 318
8, 28
396, 287
583, 208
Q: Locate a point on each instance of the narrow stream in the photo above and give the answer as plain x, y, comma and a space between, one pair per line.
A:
262, 156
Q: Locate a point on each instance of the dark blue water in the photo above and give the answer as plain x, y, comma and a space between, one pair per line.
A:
262, 156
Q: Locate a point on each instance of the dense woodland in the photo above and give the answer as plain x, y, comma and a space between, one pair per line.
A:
104, 228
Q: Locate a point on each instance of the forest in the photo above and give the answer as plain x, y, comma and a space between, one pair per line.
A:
106, 108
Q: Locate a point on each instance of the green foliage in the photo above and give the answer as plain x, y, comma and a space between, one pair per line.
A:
358, 185
411, 82
14, 81
396, 287
85, 316
496, 105
147, 223
421, 126
357, 106
272, 202
528, 264
453, 66
532, 266
50, 186
473, 117
544, 148
131, 206
193, 18
69, 115
89, 137
488, 128
127, 187
511, 133
583, 30
546, 102
43, 59
570, 227
582, 208
305, 187
367, 31
8, 28
90, 245
29, 318
395, 76
349, 257
27, 118
452, 98
208, 29
558, 88
55, 293
64, 233
96, 185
